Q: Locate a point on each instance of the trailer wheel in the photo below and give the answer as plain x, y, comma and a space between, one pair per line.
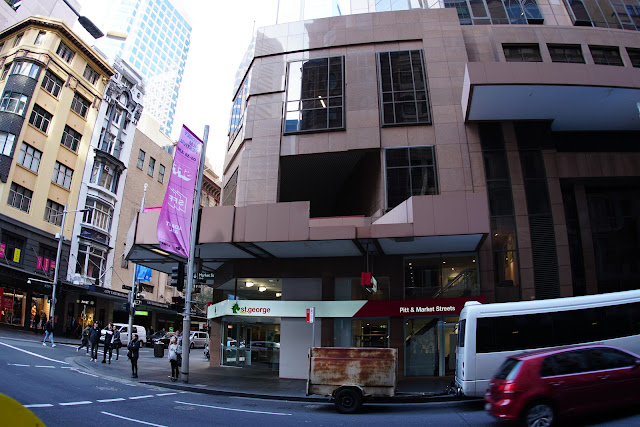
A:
348, 400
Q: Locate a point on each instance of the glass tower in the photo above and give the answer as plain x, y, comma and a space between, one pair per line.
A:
154, 37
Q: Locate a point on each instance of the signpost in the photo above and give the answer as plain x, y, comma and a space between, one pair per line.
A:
203, 276
311, 317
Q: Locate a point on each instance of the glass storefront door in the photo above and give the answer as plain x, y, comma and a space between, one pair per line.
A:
430, 346
251, 345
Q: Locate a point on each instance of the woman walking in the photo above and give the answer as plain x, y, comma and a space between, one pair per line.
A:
134, 351
173, 358
85, 339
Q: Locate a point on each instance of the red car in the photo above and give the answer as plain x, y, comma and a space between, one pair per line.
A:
538, 387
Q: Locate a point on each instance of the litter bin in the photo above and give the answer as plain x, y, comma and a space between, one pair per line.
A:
158, 349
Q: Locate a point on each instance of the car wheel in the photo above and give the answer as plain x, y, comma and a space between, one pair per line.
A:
539, 414
348, 400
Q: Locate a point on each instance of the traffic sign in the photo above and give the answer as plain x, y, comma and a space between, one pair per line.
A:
203, 276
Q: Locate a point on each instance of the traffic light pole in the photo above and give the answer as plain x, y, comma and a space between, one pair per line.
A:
186, 323
134, 289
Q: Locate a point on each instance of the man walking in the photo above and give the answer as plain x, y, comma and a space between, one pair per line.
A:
48, 333
94, 339
108, 336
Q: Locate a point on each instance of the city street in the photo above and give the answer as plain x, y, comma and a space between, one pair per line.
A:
50, 382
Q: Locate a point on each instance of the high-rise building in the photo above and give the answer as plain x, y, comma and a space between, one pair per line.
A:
154, 37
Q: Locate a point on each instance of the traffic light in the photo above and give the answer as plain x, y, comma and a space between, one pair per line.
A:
177, 277
177, 304
126, 306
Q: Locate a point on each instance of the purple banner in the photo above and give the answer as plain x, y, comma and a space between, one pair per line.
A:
174, 224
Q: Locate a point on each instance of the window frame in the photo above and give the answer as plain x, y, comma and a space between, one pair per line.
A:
90, 74
24, 193
21, 102
62, 175
40, 118
554, 49
634, 56
80, 105
606, 52
53, 212
518, 55
39, 38
29, 157
25, 68
5, 138
52, 84
141, 156
151, 167
71, 138
65, 52
410, 166
161, 172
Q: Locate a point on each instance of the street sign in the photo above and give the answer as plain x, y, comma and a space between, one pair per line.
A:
203, 276
137, 302
126, 287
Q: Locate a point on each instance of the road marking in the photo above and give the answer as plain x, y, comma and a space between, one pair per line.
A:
141, 397
82, 402
43, 366
39, 405
117, 399
34, 354
165, 394
66, 367
85, 373
18, 364
131, 419
231, 409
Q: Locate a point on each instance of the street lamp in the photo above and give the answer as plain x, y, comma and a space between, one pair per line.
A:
52, 309
86, 23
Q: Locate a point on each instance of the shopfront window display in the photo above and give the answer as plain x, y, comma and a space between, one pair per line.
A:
13, 307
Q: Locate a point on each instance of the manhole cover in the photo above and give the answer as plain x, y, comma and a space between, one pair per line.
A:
185, 408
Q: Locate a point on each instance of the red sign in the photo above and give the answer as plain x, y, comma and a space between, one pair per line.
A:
45, 264
416, 307
7, 303
2, 249
311, 315
39, 263
365, 279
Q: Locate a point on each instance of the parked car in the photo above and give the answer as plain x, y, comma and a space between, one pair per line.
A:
539, 387
124, 334
151, 338
198, 339
164, 340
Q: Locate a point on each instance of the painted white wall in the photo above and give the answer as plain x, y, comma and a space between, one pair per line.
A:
295, 340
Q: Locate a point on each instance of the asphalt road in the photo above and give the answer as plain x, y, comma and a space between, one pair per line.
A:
45, 380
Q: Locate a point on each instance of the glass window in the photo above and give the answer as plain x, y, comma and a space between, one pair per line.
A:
315, 95
18, 39
20, 197
6, 143
46, 259
229, 191
14, 102
25, 68
65, 52
104, 175
152, 166
13, 246
410, 171
403, 90
609, 358
446, 276
29, 157
370, 333
161, 174
140, 163
62, 175
53, 212
70, 138
605, 55
90, 74
522, 52
566, 53
91, 261
39, 38
98, 214
634, 55
52, 84
40, 118
80, 105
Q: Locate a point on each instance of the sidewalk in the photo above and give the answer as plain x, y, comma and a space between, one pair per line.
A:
222, 380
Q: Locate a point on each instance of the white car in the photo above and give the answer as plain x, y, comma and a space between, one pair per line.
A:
124, 334
198, 339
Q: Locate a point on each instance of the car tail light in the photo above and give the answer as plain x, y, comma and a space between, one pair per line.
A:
507, 388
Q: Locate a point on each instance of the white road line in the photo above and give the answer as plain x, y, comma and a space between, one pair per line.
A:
82, 402
131, 419
39, 405
117, 399
34, 354
231, 409
43, 366
18, 364
85, 373
66, 367
165, 394
141, 397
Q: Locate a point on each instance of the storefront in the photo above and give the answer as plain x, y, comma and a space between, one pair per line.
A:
269, 334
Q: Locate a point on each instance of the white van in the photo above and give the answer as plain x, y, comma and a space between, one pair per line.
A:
124, 333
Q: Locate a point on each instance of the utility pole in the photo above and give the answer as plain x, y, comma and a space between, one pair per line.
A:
186, 323
133, 291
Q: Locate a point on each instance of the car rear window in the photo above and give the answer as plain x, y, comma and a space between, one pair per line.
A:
508, 370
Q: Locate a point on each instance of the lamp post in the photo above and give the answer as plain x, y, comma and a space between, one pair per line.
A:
86, 23
52, 309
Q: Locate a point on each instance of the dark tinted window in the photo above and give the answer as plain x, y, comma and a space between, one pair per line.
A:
508, 370
634, 56
567, 363
566, 53
522, 52
605, 55
609, 358
461, 332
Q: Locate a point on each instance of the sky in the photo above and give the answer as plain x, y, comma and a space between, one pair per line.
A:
221, 33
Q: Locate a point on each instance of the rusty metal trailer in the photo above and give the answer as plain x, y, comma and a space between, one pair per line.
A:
350, 375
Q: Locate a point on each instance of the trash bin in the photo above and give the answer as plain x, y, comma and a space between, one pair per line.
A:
158, 349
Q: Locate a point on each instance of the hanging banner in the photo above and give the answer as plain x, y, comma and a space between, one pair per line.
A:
174, 224
143, 274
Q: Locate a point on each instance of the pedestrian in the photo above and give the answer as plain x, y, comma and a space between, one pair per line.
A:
43, 321
85, 339
108, 337
48, 333
36, 322
116, 343
94, 338
173, 358
179, 343
132, 354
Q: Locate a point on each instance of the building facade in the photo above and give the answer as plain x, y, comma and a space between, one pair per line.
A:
52, 85
154, 37
451, 161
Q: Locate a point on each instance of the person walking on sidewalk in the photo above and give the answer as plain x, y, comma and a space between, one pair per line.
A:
108, 337
134, 352
116, 342
94, 339
173, 359
85, 339
36, 322
48, 333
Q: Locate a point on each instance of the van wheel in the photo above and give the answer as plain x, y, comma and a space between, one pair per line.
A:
348, 400
539, 414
